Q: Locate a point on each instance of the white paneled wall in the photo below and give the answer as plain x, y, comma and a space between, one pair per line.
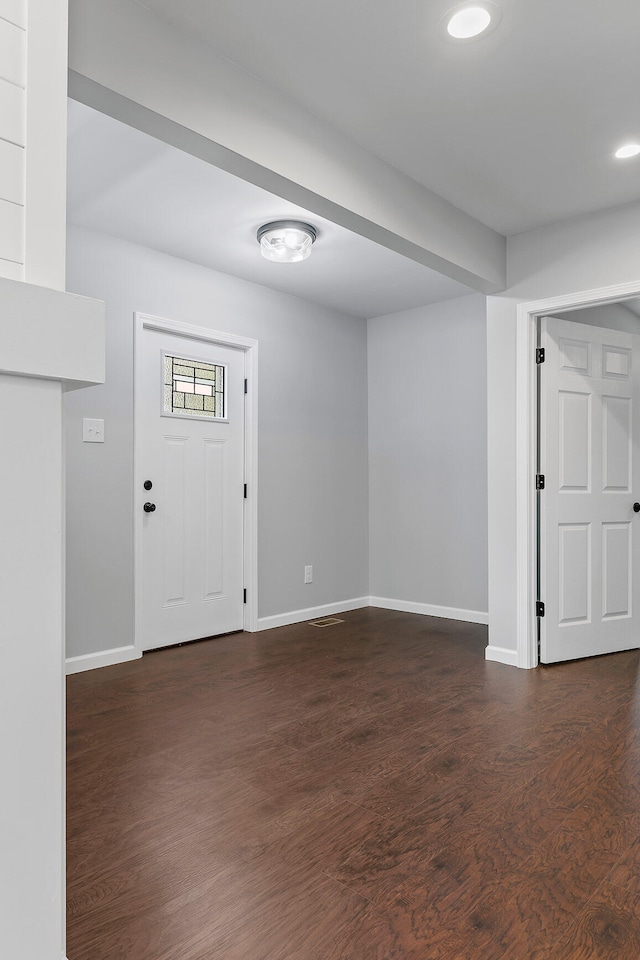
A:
13, 66
33, 109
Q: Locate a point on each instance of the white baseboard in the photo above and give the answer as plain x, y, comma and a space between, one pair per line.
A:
502, 655
105, 658
311, 613
430, 610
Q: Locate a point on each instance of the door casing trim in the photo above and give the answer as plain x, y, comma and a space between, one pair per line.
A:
526, 426
142, 322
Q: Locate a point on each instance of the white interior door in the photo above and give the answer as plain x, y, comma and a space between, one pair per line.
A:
589, 532
190, 439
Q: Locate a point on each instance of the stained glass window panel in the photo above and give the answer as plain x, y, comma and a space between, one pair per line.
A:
194, 388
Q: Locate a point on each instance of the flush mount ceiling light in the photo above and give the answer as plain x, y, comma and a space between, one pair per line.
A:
286, 241
628, 150
470, 20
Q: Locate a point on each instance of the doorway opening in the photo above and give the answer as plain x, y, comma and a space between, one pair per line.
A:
573, 307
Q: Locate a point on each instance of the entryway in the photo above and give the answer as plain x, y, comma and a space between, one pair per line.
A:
193, 457
574, 307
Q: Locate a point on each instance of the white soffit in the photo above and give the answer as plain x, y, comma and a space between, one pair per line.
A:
127, 184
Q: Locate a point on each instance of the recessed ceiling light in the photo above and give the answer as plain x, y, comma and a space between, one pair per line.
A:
628, 150
470, 20
286, 241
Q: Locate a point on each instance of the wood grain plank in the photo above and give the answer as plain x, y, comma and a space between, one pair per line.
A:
607, 928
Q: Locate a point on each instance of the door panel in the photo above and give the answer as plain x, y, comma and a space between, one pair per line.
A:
190, 436
575, 440
616, 443
172, 519
589, 562
575, 572
616, 570
215, 467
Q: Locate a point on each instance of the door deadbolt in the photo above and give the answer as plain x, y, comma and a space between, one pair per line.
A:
147, 484
636, 507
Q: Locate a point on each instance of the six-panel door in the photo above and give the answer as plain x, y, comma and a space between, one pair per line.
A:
589, 534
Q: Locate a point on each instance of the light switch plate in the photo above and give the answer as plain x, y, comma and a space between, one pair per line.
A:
93, 431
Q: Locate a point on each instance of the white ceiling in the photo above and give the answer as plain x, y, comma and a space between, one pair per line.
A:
127, 184
516, 128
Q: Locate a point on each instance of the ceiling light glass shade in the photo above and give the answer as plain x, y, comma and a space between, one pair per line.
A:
470, 19
629, 150
286, 241
468, 22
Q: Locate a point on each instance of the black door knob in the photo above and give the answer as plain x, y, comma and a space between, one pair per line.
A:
636, 507
147, 484
150, 507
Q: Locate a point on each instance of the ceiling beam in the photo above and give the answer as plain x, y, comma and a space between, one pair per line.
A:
133, 66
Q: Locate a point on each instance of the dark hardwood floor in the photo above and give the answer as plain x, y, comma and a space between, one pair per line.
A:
373, 790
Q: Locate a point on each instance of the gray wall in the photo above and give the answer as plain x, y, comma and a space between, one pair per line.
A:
312, 437
427, 455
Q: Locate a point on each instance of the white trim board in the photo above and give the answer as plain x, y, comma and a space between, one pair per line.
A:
430, 610
502, 655
104, 658
311, 613
527, 316
403, 606
143, 321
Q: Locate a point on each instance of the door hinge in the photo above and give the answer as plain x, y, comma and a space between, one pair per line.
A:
246, 386
540, 355
244, 595
245, 491
539, 608
539, 481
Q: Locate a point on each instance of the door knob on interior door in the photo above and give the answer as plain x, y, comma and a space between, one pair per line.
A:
150, 507
636, 507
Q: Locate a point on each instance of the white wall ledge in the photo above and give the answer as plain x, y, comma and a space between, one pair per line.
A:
51, 335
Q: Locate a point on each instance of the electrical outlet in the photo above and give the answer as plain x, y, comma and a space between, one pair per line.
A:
93, 431
308, 574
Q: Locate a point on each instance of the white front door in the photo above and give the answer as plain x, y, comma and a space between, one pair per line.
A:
589, 531
190, 455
